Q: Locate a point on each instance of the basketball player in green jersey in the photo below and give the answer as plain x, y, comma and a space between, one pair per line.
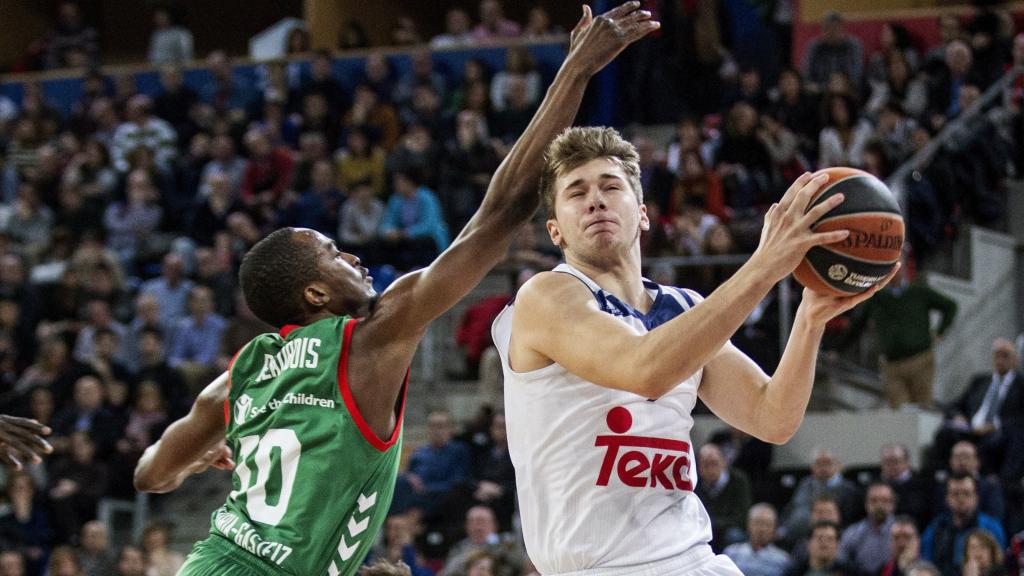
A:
313, 413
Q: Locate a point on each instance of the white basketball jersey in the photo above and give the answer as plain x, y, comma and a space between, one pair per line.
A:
605, 477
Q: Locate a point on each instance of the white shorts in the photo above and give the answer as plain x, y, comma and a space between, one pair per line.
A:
698, 561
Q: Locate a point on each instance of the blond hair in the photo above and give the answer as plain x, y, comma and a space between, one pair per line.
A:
385, 568
575, 147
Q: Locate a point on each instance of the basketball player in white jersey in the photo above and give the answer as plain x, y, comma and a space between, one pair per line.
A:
602, 369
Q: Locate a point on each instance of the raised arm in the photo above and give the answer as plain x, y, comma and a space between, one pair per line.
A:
512, 196
189, 445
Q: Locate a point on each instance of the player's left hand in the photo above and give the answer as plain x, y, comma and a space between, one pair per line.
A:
820, 308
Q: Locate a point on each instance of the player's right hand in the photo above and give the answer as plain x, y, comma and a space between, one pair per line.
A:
21, 441
597, 41
786, 236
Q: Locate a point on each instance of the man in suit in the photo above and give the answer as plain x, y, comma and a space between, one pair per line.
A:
913, 492
990, 414
726, 495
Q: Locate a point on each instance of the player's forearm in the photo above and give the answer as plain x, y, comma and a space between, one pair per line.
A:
150, 477
785, 398
675, 351
513, 192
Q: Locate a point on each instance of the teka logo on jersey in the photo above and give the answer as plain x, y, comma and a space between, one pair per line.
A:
667, 467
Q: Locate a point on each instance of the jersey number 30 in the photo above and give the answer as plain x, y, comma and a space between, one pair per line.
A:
287, 442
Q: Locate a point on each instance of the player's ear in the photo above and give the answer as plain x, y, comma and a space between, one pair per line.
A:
554, 232
645, 221
316, 294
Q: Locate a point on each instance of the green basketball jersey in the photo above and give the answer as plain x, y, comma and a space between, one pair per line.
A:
312, 483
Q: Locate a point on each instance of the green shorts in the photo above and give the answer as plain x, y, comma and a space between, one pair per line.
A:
216, 556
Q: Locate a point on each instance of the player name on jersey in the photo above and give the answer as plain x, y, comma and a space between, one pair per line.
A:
298, 353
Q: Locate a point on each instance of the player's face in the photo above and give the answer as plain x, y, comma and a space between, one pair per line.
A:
596, 210
349, 284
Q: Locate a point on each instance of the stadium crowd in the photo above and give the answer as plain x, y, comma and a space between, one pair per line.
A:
122, 225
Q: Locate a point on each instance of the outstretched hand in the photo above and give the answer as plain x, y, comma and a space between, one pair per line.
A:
597, 41
820, 308
21, 441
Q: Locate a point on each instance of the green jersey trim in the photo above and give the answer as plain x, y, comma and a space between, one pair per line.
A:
346, 394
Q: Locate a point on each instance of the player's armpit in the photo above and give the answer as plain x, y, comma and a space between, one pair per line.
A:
186, 442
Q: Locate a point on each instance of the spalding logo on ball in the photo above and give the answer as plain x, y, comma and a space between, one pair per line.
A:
872, 215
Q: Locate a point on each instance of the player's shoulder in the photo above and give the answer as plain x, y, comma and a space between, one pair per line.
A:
552, 288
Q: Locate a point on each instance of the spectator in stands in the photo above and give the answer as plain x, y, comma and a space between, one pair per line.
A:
359, 221
905, 339
313, 148
458, 30
904, 547
318, 206
725, 494
466, 168
77, 483
229, 94
944, 541
93, 174
267, 175
131, 225
73, 43
759, 556
224, 161
983, 555
990, 412
865, 545
12, 563
171, 289
26, 524
950, 76
519, 109
98, 318
29, 221
210, 214
379, 75
64, 562
323, 82
825, 478
963, 461
160, 560
424, 108
822, 553
518, 64
88, 414
842, 140
397, 544
170, 43
421, 71
894, 41
742, 161
899, 84
538, 23
175, 98
495, 477
834, 51
95, 552
435, 469
913, 493
375, 116
360, 162
482, 535
493, 24
405, 32
352, 36
131, 562
195, 341
413, 228
154, 368
142, 129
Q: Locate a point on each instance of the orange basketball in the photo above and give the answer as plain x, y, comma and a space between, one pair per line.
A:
872, 215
